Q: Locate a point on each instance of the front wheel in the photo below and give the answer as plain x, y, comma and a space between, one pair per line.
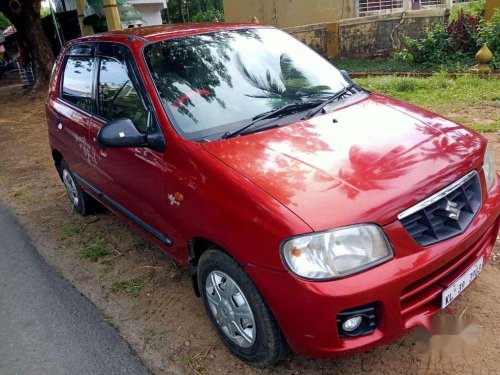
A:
237, 310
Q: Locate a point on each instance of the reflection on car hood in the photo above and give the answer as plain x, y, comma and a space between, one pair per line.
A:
363, 163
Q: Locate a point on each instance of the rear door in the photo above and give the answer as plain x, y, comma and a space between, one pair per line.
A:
73, 109
132, 179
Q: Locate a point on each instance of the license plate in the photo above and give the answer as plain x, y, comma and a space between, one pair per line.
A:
461, 283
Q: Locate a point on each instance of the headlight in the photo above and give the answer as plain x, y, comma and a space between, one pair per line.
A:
336, 253
489, 168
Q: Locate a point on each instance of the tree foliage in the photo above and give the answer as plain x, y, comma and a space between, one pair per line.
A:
193, 11
4, 21
44, 12
211, 15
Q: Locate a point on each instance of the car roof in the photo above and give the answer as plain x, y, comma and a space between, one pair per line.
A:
162, 32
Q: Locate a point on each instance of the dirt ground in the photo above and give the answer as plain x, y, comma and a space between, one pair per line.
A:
166, 324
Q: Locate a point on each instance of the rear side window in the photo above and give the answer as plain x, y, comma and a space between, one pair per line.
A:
77, 82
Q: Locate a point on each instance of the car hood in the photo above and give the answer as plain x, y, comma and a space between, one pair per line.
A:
365, 162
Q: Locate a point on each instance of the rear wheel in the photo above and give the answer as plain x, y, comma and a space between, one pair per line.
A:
82, 202
237, 310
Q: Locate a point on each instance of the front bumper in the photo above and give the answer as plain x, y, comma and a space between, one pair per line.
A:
406, 290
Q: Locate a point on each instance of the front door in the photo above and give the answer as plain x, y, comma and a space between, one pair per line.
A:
131, 179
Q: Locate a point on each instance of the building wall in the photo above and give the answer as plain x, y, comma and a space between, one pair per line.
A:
288, 13
315, 36
490, 7
381, 35
367, 36
150, 10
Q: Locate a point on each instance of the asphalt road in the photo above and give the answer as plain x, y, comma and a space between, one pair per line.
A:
46, 326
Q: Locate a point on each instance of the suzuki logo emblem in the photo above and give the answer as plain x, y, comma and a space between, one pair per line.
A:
452, 210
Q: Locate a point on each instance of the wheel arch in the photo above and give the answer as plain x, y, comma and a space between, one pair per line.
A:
197, 246
58, 158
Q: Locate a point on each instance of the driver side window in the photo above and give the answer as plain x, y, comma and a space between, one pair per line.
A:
118, 98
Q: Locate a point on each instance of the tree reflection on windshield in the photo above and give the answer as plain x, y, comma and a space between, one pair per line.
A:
292, 84
216, 80
190, 63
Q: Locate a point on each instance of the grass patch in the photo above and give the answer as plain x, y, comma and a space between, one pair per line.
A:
131, 287
107, 265
17, 193
71, 230
195, 365
375, 66
140, 246
95, 249
471, 100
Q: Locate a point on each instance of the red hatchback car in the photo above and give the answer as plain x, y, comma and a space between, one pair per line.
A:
311, 213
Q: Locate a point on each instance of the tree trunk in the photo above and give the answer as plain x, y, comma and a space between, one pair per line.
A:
25, 16
181, 8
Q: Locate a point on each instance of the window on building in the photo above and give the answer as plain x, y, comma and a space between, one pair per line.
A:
370, 7
428, 4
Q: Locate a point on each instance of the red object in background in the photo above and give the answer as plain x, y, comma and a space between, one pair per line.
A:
248, 194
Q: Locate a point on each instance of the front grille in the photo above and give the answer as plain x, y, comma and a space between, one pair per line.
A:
435, 219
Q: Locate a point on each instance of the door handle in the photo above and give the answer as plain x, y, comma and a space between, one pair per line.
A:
59, 122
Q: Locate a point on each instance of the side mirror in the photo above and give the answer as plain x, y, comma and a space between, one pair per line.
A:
121, 133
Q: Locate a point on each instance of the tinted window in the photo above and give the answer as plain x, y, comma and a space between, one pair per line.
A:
118, 98
77, 82
212, 82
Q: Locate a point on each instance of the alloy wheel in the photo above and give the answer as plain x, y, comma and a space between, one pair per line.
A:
230, 308
70, 185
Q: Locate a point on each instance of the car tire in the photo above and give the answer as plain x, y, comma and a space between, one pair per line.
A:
238, 311
81, 201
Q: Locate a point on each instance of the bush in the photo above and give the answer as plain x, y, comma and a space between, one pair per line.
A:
209, 16
454, 46
434, 47
489, 33
435, 51
463, 32
475, 8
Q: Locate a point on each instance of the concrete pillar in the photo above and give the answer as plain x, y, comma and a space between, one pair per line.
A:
332, 40
80, 9
407, 5
112, 15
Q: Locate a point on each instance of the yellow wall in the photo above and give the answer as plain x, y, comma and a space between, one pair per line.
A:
490, 7
288, 13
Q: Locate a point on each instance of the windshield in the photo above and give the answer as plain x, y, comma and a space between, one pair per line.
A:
212, 83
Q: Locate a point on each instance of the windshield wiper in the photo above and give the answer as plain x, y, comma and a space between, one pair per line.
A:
329, 100
278, 112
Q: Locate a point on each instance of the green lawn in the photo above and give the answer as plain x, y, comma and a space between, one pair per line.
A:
470, 100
